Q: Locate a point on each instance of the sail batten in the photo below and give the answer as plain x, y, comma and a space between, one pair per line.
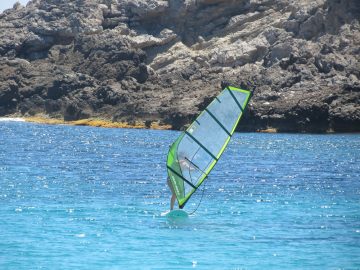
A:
201, 145
179, 175
218, 122
237, 102
194, 154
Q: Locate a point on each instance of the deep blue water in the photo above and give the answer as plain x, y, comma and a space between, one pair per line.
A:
92, 198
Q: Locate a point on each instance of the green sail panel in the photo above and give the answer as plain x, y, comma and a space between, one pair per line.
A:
194, 154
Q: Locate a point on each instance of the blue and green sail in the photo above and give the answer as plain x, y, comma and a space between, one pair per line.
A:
194, 154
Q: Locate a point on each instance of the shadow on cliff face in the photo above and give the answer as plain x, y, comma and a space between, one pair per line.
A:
305, 118
9, 97
37, 46
108, 59
338, 14
180, 121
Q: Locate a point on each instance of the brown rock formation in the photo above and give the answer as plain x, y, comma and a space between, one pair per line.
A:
164, 60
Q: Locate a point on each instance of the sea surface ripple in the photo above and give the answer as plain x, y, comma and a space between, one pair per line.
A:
91, 198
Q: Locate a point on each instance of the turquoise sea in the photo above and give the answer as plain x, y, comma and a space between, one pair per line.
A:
91, 198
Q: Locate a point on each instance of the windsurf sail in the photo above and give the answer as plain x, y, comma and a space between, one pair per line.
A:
194, 154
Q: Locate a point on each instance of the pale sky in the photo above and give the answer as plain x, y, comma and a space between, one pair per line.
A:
5, 4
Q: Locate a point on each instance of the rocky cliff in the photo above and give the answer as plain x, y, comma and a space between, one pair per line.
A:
150, 60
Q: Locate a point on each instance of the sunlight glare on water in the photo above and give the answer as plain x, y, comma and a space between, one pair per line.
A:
92, 198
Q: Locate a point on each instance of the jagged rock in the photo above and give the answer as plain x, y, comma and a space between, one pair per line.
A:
165, 60
322, 65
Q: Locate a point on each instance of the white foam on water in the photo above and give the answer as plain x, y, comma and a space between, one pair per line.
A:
163, 214
11, 119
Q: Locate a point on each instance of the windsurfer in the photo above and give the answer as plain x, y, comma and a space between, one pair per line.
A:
185, 163
173, 196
